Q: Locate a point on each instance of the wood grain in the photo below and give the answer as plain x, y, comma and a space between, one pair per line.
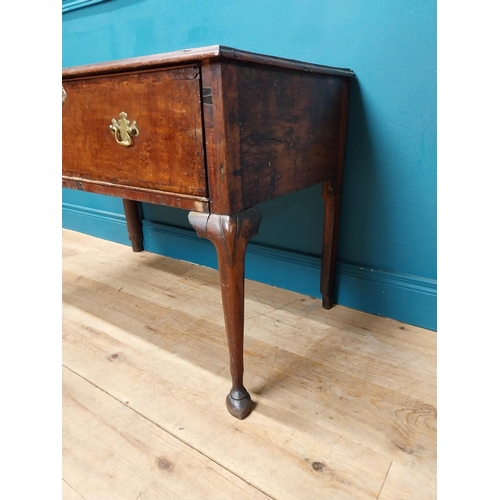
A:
168, 153
404, 484
125, 456
230, 236
345, 401
220, 114
291, 127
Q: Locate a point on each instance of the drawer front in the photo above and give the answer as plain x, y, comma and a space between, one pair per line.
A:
166, 154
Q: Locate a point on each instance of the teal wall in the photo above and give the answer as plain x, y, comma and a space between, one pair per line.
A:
387, 254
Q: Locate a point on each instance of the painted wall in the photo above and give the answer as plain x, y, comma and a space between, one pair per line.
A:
387, 248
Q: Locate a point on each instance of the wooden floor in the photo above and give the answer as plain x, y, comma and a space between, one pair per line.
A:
345, 401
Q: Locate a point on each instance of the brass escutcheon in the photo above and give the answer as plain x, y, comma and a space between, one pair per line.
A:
124, 130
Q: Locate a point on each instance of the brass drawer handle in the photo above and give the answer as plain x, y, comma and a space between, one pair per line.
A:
64, 95
124, 130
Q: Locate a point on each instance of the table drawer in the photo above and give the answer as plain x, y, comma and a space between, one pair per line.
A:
167, 153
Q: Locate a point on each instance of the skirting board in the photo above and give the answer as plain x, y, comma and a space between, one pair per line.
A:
406, 298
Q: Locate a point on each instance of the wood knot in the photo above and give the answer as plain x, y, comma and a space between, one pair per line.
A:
113, 356
164, 464
317, 466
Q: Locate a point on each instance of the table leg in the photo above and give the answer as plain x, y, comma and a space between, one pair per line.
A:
134, 224
330, 243
230, 235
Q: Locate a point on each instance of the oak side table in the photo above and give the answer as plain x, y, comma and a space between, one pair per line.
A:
215, 131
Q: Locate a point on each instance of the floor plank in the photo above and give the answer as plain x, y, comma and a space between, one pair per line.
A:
342, 397
405, 484
111, 452
68, 493
273, 449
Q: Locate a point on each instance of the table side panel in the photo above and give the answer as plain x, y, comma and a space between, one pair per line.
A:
168, 153
292, 129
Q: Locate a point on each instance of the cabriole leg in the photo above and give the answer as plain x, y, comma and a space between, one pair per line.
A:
230, 235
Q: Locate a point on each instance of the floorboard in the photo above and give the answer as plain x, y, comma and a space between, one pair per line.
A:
345, 401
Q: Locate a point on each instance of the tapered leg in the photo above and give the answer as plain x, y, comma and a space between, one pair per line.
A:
230, 235
330, 243
134, 224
